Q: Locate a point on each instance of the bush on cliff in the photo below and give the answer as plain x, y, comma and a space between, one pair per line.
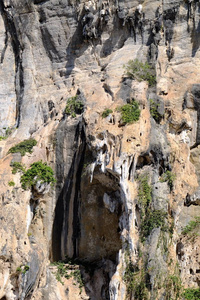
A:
8, 131
141, 71
106, 112
191, 294
168, 177
17, 167
192, 225
38, 171
74, 107
24, 147
130, 112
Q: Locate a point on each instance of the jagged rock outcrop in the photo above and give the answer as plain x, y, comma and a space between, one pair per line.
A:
124, 192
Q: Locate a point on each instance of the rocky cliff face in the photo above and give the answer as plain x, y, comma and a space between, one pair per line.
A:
122, 220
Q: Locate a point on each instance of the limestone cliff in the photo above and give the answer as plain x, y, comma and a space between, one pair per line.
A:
122, 220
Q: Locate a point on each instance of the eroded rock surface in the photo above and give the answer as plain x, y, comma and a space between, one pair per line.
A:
124, 192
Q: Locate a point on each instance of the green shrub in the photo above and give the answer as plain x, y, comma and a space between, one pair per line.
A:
25, 269
38, 171
22, 269
141, 71
150, 219
130, 112
191, 226
168, 177
23, 147
62, 271
74, 107
129, 277
77, 276
2, 138
135, 282
154, 110
66, 270
153, 219
141, 292
7, 133
106, 113
173, 287
19, 269
191, 294
18, 167
144, 192
11, 183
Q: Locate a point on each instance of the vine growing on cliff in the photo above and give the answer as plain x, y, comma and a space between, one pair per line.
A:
173, 287
144, 192
134, 279
150, 219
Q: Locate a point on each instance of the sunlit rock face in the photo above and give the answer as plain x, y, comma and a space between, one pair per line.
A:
124, 192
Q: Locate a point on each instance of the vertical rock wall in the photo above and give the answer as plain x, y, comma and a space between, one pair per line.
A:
124, 192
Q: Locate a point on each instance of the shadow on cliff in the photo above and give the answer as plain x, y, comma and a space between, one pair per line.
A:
195, 38
87, 226
68, 193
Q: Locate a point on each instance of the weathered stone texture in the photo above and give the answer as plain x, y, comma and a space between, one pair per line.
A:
51, 51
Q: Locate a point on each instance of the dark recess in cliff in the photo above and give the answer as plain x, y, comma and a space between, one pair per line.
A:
65, 196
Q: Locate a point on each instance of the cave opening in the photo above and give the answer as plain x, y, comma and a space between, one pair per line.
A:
86, 225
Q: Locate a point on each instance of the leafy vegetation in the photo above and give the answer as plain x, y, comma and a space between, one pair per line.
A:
168, 177
62, 271
26, 268
150, 219
191, 294
19, 269
144, 192
38, 171
23, 269
130, 112
154, 110
11, 183
7, 133
141, 71
153, 219
173, 287
191, 226
74, 107
17, 167
129, 277
141, 292
23, 147
106, 113
171, 228
134, 280
66, 270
